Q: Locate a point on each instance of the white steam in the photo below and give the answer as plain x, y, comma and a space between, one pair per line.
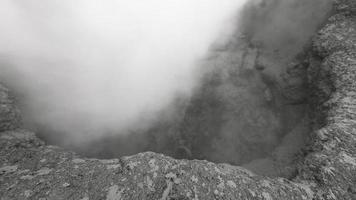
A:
86, 66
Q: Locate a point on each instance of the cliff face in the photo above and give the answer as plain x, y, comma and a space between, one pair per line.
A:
9, 115
29, 169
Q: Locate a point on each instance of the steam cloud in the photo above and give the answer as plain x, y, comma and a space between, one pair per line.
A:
85, 69
91, 67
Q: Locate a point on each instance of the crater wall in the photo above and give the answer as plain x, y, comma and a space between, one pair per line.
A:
30, 169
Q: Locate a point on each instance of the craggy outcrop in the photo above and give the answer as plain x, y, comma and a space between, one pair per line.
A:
331, 163
9, 115
31, 170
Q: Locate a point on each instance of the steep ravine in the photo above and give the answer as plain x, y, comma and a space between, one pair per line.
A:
29, 169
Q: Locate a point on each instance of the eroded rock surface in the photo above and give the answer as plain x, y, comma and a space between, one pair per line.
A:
29, 169
33, 170
9, 114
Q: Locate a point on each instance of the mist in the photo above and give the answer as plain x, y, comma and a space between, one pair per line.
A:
87, 68
283, 25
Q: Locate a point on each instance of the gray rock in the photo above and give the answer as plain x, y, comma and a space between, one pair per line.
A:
9, 114
328, 170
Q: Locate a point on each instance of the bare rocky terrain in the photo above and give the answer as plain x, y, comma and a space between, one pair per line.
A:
30, 169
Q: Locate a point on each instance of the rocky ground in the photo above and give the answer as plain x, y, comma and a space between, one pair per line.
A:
30, 169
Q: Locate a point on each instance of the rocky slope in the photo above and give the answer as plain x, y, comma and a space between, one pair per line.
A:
9, 115
29, 169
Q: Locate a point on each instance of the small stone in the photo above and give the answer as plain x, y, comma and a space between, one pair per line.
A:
177, 181
27, 193
66, 185
231, 184
194, 179
171, 175
44, 171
